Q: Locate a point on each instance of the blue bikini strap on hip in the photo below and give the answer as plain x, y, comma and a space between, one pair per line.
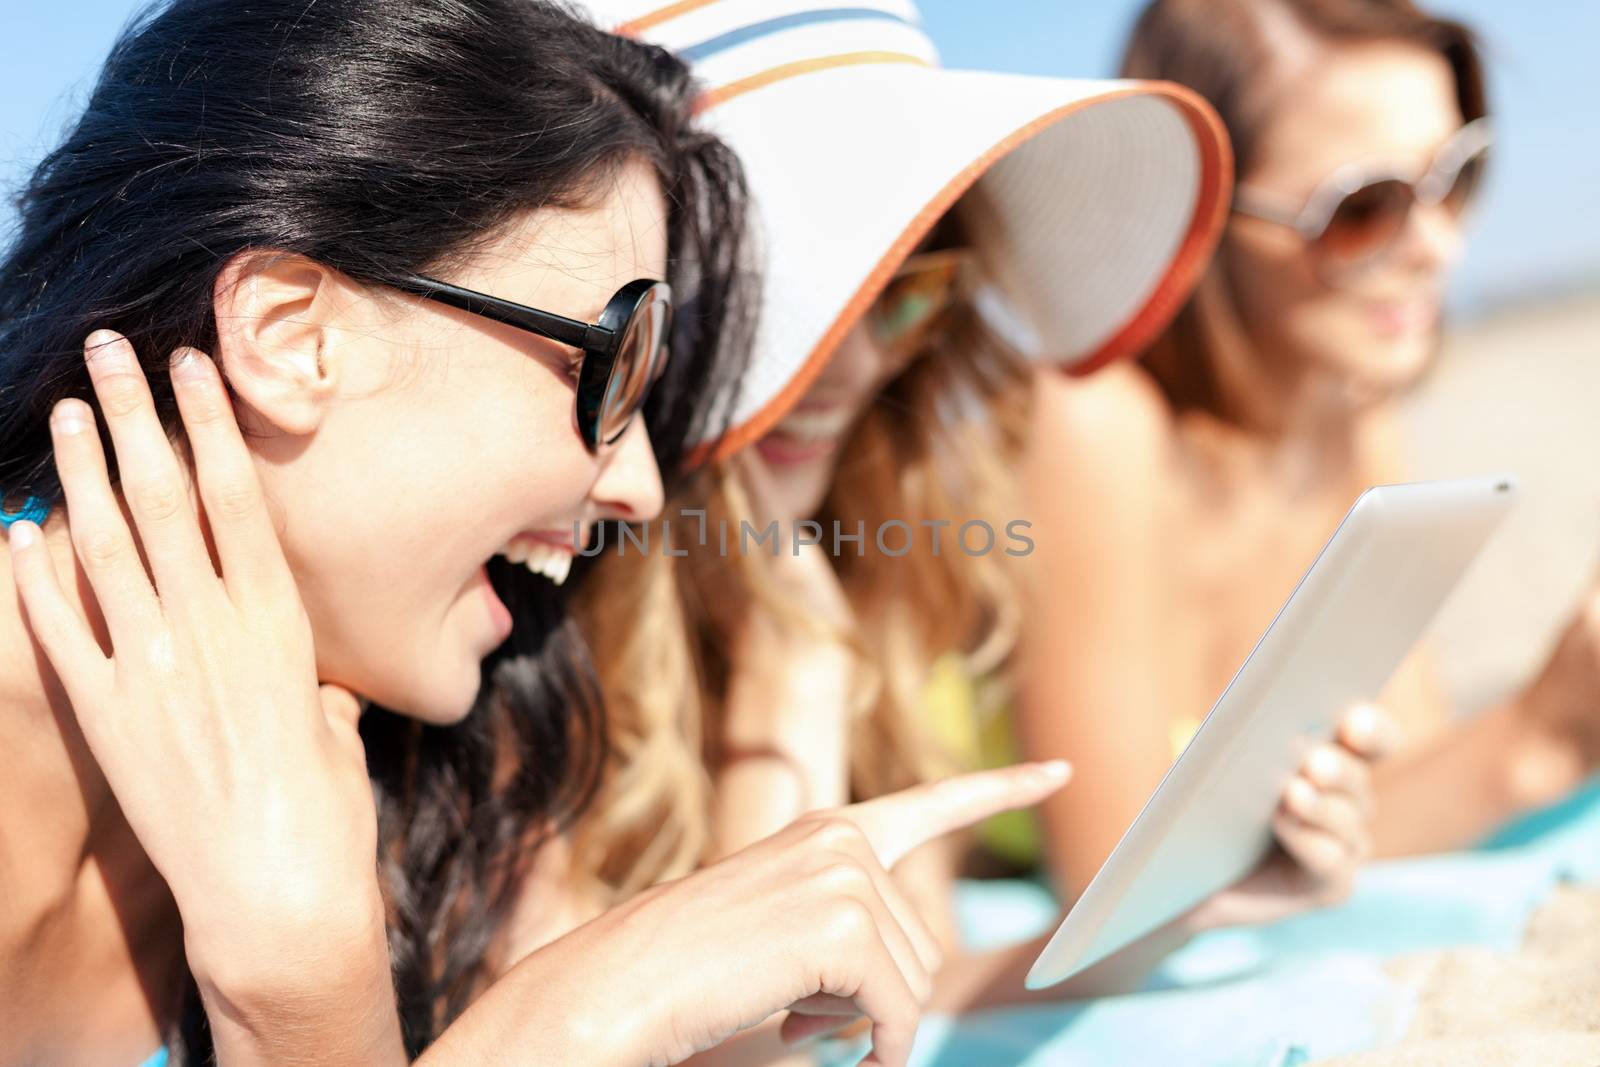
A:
33, 510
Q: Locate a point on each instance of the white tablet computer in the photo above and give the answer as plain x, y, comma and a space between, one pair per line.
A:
1345, 629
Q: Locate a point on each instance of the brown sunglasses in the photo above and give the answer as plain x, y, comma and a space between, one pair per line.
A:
1356, 215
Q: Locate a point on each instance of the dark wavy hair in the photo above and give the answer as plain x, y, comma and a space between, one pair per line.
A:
379, 137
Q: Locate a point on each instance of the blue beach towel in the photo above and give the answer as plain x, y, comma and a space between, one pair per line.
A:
1277, 996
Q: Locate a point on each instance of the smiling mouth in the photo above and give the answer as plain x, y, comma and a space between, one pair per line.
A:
807, 433
782, 448
549, 556
1403, 316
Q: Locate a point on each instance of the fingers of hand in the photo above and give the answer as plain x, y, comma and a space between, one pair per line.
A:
882, 995
152, 480
853, 887
247, 545
823, 1015
830, 1006
867, 947
1369, 731
1335, 769
100, 536
340, 705
898, 823
930, 954
880, 887
59, 629
1320, 854
342, 710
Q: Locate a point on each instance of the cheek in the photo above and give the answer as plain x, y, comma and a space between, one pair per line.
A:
1288, 312
392, 507
1273, 281
886, 368
856, 373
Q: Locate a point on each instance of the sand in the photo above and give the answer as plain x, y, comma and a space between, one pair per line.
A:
1531, 1049
1538, 1006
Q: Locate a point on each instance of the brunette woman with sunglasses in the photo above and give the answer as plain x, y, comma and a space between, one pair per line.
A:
1361, 134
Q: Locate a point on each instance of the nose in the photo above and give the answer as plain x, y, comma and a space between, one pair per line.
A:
629, 486
1431, 242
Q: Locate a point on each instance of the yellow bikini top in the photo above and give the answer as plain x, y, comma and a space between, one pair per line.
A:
981, 738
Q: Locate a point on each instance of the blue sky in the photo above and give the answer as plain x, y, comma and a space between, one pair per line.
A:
1537, 231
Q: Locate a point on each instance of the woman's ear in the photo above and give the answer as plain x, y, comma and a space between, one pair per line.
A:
274, 314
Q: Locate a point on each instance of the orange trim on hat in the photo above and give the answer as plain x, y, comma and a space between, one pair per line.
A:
1216, 168
713, 97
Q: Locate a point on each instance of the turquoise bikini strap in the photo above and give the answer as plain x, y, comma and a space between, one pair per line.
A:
33, 510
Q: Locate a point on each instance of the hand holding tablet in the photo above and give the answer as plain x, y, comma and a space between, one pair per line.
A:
1347, 626
1322, 831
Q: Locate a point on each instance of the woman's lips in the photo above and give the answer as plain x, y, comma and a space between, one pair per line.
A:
809, 432
779, 449
1397, 318
555, 538
499, 614
548, 552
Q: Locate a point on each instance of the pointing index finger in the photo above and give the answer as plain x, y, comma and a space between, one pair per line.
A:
898, 823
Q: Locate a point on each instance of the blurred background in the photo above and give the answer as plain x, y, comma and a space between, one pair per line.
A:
1517, 388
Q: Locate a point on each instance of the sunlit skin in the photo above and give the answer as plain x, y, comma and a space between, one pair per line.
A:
783, 678
187, 796
399, 445
803, 451
1202, 520
438, 437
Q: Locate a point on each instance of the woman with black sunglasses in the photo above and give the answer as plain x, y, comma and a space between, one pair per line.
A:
1361, 133
322, 340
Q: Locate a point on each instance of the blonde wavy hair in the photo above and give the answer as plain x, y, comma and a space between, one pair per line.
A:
940, 442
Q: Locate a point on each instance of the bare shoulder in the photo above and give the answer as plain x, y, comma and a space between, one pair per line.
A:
1111, 428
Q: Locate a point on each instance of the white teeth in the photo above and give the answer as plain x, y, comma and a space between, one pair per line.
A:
814, 426
564, 565
549, 560
552, 561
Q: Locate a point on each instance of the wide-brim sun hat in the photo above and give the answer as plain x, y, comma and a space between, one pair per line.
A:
1103, 198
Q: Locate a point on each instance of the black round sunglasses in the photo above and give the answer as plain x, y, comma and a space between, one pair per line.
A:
623, 354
